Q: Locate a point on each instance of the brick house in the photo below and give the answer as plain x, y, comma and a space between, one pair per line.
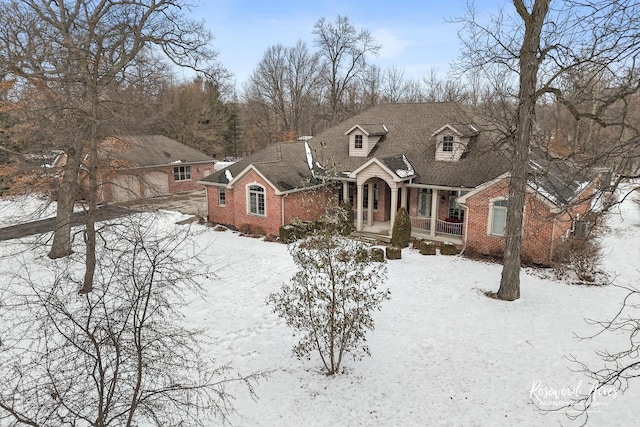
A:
141, 166
431, 158
264, 191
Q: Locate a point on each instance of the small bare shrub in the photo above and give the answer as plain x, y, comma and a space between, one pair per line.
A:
251, 230
580, 256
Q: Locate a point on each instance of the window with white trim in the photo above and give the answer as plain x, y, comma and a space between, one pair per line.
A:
222, 196
447, 143
256, 200
182, 173
498, 217
357, 141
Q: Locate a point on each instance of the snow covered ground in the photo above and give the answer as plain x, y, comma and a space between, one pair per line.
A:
18, 210
442, 352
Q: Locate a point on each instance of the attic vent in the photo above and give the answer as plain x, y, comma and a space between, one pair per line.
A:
166, 154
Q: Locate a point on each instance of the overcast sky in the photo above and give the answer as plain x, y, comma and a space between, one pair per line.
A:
414, 35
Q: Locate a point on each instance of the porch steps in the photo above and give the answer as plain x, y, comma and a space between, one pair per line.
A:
371, 237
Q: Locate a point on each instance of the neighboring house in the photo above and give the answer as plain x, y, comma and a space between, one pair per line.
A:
430, 158
142, 166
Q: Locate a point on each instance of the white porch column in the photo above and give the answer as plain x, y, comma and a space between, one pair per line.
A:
370, 204
359, 198
345, 190
435, 200
394, 206
403, 198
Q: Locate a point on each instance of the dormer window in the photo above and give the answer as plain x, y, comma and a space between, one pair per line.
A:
363, 138
357, 141
447, 143
452, 141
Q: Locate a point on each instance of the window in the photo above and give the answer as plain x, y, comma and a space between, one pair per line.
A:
357, 141
222, 196
365, 194
581, 229
447, 143
182, 173
256, 200
352, 193
498, 217
455, 210
424, 202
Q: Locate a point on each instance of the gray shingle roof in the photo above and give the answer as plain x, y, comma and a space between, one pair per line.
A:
408, 136
373, 130
400, 165
284, 164
152, 150
410, 128
554, 178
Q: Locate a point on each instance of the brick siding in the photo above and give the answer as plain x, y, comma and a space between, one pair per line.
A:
542, 230
305, 205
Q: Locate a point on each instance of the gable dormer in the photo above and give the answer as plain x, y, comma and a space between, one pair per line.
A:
452, 141
363, 138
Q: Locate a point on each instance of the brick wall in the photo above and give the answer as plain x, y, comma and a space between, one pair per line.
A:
537, 232
197, 173
220, 214
305, 205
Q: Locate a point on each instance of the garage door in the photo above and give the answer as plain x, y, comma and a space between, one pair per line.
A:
155, 184
125, 187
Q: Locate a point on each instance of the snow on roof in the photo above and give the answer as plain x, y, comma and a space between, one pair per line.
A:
218, 166
403, 173
228, 175
307, 151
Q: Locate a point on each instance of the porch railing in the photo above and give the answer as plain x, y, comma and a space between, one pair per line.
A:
420, 223
442, 227
446, 227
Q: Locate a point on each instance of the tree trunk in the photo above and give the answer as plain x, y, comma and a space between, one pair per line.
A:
90, 223
61, 246
528, 64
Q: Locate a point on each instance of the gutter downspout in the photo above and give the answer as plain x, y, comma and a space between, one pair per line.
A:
282, 205
466, 228
206, 198
553, 238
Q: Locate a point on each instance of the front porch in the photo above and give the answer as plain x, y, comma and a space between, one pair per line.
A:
420, 229
377, 192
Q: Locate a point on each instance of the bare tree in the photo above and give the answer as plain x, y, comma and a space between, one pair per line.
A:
121, 355
394, 86
72, 54
438, 89
193, 113
345, 50
536, 48
372, 86
286, 86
